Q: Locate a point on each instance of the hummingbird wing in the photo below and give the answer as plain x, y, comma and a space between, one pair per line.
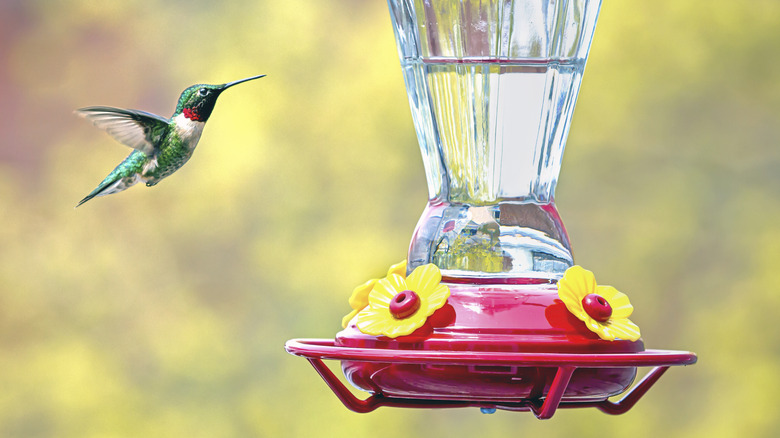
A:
137, 129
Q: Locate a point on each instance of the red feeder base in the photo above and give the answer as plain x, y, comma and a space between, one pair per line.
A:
542, 405
493, 346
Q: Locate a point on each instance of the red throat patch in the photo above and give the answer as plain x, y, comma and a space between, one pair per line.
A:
190, 114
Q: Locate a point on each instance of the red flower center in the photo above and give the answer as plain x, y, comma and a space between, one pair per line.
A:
404, 304
597, 307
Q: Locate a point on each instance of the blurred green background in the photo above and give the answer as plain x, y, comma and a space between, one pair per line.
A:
164, 311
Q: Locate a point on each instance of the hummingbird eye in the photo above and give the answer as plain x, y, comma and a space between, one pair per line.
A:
203, 91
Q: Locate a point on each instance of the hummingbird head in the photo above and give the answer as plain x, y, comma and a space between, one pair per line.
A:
197, 101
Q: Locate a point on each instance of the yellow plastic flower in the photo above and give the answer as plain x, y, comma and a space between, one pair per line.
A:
359, 298
398, 306
604, 309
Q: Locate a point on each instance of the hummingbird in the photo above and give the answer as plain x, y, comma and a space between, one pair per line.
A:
160, 146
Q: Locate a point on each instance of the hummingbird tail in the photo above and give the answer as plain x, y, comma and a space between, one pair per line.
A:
86, 198
112, 184
126, 174
100, 190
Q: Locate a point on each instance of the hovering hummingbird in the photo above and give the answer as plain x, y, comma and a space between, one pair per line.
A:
161, 146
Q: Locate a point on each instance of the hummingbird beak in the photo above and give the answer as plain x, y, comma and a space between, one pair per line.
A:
230, 84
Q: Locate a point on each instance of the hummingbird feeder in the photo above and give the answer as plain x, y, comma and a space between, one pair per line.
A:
490, 310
